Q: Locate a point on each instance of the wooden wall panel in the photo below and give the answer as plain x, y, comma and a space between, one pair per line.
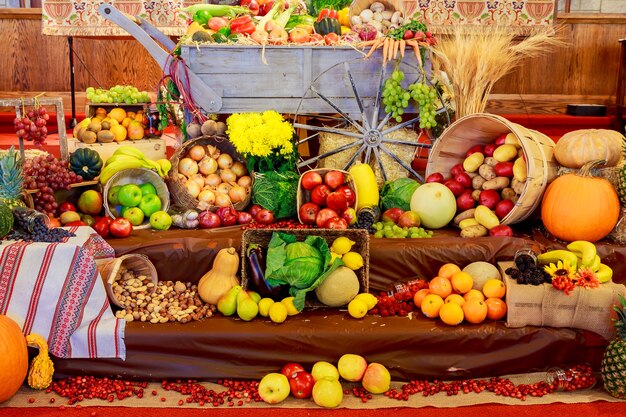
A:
585, 71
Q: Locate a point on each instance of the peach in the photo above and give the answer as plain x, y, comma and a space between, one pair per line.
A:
352, 367
376, 379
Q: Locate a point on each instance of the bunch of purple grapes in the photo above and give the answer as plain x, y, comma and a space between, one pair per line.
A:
32, 126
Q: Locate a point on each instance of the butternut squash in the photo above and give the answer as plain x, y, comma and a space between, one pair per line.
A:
222, 276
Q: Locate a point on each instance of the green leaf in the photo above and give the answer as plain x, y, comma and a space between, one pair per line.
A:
456, 15
524, 16
484, 16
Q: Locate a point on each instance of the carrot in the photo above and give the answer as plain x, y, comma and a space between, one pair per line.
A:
396, 44
402, 47
375, 45
386, 49
418, 56
368, 43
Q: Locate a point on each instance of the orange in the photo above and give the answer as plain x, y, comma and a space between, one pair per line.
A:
455, 298
431, 305
462, 282
451, 314
474, 294
494, 288
118, 114
496, 308
419, 297
475, 310
440, 286
447, 270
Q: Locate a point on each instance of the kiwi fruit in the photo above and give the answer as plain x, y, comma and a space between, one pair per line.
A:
95, 126
87, 136
105, 136
106, 125
77, 129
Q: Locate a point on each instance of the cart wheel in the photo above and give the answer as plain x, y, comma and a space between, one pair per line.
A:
351, 95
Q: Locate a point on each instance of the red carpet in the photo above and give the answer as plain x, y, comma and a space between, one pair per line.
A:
596, 409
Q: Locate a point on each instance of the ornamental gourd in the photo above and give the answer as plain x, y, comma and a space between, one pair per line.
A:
578, 206
579, 147
13, 358
221, 278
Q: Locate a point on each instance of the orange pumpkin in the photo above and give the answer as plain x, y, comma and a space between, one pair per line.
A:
13, 358
579, 206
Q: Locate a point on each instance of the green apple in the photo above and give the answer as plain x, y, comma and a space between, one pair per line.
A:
160, 220
150, 203
129, 195
121, 210
147, 188
274, 388
112, 195
134, 215
327, 392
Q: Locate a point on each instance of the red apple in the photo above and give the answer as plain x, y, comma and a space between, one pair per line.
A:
336, 223
501, 230
66, 207
310, 180
489, 198
308, 213
503, 169
464, 179
337, 201
455, 186
500, 139
319, 194
349, 215
301, 384
290, 369
465, 201
475, 149
409, 219
489, 148
392, 214
503, 208
323, 216
334, 179
436, 177
349, 192
457, 169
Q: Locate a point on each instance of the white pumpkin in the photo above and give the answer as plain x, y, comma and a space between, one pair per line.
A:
579, 147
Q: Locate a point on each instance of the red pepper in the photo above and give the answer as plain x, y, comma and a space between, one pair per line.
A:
243, 25
333, 14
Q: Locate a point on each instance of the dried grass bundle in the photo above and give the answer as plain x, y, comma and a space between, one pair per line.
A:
476, 57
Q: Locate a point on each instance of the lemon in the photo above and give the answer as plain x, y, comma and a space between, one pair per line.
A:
353, 260
357, 308
288, 303
278, 312
334, 256
341, 245
264, 306
368, 299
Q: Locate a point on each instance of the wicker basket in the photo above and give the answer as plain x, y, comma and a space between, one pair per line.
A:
358, 6
136, 176
180, 196
304, 196
108, 269
483, 128
262, 237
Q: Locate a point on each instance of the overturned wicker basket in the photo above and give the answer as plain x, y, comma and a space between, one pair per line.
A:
180, 197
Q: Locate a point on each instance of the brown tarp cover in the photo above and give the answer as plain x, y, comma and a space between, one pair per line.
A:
222, 347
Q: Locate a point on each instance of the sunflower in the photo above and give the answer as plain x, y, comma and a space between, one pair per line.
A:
586, 278
562, 269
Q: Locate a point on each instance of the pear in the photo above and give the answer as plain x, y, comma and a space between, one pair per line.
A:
255, 296
247, 309
227, 304
242, 295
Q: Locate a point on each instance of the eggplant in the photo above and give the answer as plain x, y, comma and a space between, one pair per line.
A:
256, 267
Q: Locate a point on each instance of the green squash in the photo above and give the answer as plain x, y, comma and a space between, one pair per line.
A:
328, 25
86, 163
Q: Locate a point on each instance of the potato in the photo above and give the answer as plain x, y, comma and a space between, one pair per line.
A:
473, 162
476, 194
490, 161
467, 214
487, 172
518, 186
472, 174
511, 139
467, 223
508, 193
486, 217
474, 231
477, 182
498, 183
520, 170
505, 153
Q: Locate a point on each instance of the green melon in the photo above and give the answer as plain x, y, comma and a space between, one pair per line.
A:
6, 220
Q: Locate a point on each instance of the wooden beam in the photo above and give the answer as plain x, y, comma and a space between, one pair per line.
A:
23, 14
587, 18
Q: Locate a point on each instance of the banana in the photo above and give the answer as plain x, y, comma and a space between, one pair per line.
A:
150, 164
110, 170
166, 165
554, 256
584, 250
115, 158
604, 273
595, 264
130, 151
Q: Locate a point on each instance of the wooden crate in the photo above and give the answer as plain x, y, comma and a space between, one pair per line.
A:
153, 148
90, 108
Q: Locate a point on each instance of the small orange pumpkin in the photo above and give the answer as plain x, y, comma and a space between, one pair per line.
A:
578, 206
13, 358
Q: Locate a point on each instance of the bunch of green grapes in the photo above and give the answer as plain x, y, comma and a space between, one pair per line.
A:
395, 98
425, 96
392, 230
119, 94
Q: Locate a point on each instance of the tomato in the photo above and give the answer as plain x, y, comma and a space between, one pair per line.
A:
243, 25
301, 384
264, 217
311, 180
308, 212
337, 201
252, 5
324, 216
316, 37
120, 227
66, 207
216, 23
334, 179
336, 223
291, 369
278, 36
349, 193
319, 194
324, 13
501, 230
331, 38
299, 35
265, 7
102, 227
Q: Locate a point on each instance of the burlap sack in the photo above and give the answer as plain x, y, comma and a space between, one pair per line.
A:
543, 305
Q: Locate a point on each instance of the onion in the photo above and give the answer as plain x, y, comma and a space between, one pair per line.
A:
187, 167
239, 169
192, 188
207, 166
197, 152
198, 179
224, 188
182, 178
222, 200
207, 196
227, 175
213, 151
213, 180
237, 194
245, 181
225, 161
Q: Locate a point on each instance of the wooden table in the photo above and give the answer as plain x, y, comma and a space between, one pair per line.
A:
620, 120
